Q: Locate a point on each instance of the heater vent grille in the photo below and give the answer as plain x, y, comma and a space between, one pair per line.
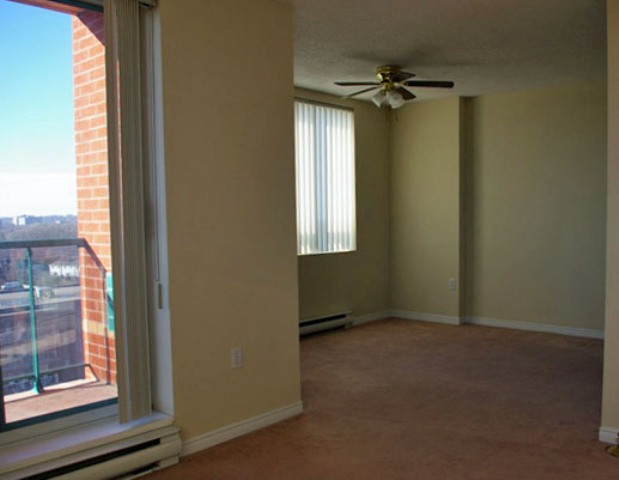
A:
63, 471
125, 454
333, 321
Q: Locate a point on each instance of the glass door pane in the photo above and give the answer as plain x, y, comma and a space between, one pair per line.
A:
57, 343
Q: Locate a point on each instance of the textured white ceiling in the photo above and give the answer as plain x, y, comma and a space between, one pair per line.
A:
482, 45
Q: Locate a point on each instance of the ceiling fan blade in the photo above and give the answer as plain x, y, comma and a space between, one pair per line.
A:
429, 83
361, 91
401, 76
355, 84
406, 95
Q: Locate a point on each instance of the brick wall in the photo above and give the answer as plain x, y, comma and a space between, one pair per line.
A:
93, 221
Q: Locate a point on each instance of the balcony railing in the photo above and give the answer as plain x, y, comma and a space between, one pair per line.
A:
56, 328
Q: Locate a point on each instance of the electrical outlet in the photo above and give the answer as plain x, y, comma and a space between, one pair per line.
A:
453, 285
236, 357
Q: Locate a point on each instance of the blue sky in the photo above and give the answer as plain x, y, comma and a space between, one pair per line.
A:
37, 152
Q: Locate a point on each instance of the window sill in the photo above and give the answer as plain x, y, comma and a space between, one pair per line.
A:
315, 254
55, 450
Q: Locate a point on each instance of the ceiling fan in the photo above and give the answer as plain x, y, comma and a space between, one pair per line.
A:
391, 86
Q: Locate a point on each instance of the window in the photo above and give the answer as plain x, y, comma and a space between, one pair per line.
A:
56, 326
77, 270
325, 175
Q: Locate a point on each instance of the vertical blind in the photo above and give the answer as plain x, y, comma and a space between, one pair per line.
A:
125, 134
325, 174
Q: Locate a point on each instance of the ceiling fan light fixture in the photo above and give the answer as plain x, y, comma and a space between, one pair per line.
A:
388, 98
379, 99
395, 99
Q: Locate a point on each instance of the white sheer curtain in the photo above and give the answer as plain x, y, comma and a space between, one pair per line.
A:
325, 173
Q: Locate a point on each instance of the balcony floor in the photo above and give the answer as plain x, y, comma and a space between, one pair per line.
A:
61, 397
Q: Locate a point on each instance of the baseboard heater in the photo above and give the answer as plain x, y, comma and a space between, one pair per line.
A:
128, 461
309, 326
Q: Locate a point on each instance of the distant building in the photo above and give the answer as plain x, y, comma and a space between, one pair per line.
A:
22, 220
65, 269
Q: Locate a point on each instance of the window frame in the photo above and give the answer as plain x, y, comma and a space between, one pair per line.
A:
154, 323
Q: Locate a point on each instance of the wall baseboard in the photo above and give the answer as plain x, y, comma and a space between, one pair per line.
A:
534, 327
482, 321
238, 429
370, 317
608, 435
425, 317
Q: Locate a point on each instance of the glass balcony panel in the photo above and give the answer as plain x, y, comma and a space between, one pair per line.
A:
57, 351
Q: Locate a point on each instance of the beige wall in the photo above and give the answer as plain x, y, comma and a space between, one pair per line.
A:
530, 168
425, 179
536, 191
356, 281
230, 205
610, 402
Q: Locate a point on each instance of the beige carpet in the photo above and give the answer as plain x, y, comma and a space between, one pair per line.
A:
407, 400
